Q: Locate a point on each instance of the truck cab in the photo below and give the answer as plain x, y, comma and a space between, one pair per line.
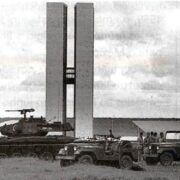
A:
166, 152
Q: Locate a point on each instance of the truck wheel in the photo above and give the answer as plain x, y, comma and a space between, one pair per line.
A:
47, 156
16, 155
151, 162
126, 162
85, 159
3, 155
32, 155
166, 159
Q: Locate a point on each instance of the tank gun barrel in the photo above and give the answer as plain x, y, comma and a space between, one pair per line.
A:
22, 111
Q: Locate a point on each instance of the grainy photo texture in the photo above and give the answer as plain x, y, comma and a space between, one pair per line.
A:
89, 90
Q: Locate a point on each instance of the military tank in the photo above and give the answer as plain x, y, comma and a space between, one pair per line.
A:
29, 137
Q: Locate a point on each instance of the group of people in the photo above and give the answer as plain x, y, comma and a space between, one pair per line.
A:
151, 137
143, 142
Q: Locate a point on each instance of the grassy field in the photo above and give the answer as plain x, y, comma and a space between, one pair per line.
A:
34, 169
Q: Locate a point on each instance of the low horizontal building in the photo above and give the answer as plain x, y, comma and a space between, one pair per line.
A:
132, 126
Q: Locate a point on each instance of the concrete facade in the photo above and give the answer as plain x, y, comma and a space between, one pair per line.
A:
56, 59
84, 67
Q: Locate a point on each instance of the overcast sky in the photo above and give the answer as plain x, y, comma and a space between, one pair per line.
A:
137, 68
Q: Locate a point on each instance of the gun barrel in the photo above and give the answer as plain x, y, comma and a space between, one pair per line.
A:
11, 110
21, 110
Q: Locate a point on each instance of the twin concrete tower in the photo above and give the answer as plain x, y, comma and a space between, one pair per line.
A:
58, 75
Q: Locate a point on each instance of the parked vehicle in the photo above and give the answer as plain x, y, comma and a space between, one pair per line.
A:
95, 151
28, 137
165, 152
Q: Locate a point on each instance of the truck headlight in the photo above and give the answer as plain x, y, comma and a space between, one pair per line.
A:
149, 147
75, 148
65, 148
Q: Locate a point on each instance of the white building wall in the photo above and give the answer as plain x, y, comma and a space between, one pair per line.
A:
56, 49
84, 64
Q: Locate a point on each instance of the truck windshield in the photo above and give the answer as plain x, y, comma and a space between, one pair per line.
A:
173, 135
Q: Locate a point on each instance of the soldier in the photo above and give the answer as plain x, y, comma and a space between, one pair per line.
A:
108, 145
109, 141
140, 139
146, 140
152, 138
140, 146
161, 138
111, 134
146, 143
155, 137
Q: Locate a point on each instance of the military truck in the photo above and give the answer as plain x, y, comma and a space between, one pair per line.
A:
95, 151
28, 137
165, 152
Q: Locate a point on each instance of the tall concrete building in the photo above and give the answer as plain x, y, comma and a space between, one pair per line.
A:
56, 53
58, 75
84, 64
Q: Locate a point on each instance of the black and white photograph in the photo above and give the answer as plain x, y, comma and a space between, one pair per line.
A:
89, 90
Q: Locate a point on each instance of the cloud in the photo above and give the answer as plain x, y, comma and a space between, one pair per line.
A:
138, 29
104, 85
37, 79
165, 62
129, 21
156, 85
21, 26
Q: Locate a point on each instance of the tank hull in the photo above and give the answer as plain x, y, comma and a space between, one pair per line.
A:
35, 145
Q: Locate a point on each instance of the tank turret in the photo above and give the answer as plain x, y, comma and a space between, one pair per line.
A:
32, 126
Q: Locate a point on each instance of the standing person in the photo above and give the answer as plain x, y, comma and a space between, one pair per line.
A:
111, 134
140, 146
151, 138
161, 138
146, 140
109, 141
155, 137
140, 139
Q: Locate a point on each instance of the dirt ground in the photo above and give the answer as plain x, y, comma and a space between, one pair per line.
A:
34, 169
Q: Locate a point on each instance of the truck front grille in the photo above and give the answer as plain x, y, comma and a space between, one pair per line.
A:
70, 150
153, 149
